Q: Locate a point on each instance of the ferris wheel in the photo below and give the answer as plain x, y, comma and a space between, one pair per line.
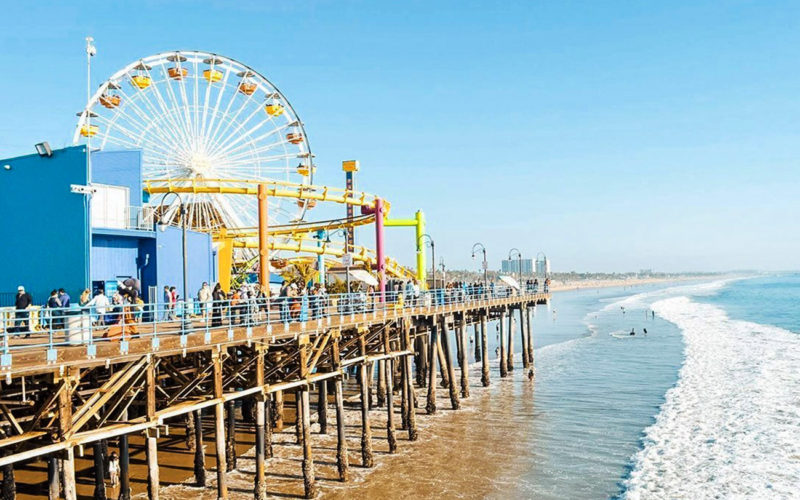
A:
198, 116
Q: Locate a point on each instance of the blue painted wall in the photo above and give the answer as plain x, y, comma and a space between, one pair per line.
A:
114, 256
119, 168
43, 223
169, 258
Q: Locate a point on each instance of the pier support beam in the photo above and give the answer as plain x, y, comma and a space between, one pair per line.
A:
260, 483
366, 430
532, 371
304, 420
411, 411
462, 361
423, 356
478, 342
433, 355
448, 358
484, 352
99, 471
388, 368
151, 446
342, 461
442, 360
199, 450
381, 392
322, 406
523, 312
278, 410
510, 351
124, 464
64, 426
230, 435
53, 487
502, 323
219, 426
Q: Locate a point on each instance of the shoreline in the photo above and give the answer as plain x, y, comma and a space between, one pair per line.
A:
562, 286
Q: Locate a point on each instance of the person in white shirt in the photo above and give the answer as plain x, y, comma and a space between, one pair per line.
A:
98, 307
204, 297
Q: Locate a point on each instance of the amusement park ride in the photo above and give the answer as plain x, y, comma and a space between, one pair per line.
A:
228, 141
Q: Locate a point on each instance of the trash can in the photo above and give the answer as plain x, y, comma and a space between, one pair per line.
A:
79, 327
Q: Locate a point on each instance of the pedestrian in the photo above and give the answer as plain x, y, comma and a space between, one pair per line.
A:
23, 302
86, 296
52, 305
173, 300
204, 297
113, 469
98, 306
167, 304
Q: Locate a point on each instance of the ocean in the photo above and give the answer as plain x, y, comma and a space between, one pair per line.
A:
705, 405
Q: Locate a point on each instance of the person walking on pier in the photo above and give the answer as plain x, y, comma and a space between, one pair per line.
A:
22, 303
98, 306
53, 314
113, 469
218, 299
204, 297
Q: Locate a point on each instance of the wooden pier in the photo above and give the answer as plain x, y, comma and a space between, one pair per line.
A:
59, 403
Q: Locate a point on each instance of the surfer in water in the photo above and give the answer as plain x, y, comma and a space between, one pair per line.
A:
633, 332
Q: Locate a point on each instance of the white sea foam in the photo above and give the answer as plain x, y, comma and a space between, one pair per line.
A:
643, 299
730, 428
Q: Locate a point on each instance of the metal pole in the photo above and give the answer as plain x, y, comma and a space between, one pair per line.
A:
185, 284
485, 267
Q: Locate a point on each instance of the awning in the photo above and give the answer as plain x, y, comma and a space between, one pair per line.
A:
363, 276
508, 280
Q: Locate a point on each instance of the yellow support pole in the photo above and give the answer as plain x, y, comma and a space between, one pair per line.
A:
224, 259
418, 222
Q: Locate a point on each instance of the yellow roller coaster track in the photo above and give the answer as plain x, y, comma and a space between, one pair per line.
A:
278, 189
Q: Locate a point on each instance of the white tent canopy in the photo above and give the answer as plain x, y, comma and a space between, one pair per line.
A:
363, 276
508, 280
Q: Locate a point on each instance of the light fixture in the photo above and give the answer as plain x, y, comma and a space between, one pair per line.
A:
43, 148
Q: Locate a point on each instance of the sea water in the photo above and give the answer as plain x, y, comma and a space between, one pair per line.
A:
705, 405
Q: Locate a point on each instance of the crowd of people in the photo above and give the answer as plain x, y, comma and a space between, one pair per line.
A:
249, 303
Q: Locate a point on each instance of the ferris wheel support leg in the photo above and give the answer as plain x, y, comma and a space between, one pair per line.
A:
263, 238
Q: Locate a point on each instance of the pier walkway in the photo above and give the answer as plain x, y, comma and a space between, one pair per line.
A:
73, 384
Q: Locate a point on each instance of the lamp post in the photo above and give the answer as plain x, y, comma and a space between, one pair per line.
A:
485, 264
183, 243
433, 255
519, 265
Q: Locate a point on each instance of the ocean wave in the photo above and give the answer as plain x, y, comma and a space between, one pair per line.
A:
643, 299
729, 427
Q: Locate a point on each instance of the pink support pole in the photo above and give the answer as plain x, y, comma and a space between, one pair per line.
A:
379, 214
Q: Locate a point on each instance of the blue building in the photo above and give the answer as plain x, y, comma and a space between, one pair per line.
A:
55, 237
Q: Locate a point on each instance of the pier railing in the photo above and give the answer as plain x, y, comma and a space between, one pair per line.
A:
42, 328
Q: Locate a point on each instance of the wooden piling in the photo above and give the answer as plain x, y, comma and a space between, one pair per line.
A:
151, 446
366, 431
532, 371
199, 450
463, 362
381, 392
230, 435
260, 483
445, 375
448, 359
478, 342
510, 350
278, 410
411, 423
124, 464
99, 471
523, 311
53, 487
322, 406
433, 355
342, 460
503, 365
304, 419
65, 424
219, 426
484, 352
423, 355
388, 369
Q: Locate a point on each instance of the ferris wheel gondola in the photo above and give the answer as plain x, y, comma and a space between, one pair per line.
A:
202, 116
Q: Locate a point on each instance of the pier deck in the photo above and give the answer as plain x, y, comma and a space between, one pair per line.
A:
59, 397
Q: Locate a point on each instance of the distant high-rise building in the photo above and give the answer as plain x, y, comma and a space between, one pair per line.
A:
511, 266
543, 267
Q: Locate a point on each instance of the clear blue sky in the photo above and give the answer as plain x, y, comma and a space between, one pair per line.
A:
611, 135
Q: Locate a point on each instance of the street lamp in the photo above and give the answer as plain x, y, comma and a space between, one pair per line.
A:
519, 265
162, 220
433, 255
479, 246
